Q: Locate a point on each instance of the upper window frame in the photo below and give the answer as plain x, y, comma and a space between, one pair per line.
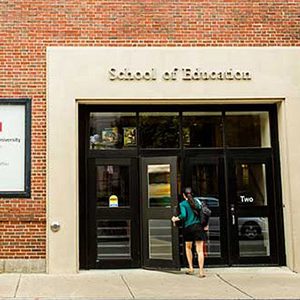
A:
220, 108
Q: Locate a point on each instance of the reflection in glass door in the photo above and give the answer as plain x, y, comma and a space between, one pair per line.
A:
253, 232
243, 212
159, 197
251, 199
205, 175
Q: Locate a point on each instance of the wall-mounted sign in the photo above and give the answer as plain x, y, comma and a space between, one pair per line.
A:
245, 199
14, 148
175, 74
113, 201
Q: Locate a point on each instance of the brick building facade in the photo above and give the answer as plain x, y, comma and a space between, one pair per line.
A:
28, 28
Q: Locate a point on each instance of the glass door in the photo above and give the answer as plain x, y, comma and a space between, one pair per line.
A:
113, 222
205, 174
159, 198
252, 207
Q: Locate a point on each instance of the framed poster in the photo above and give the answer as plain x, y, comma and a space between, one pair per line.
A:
110, 136
15, 144
129, 134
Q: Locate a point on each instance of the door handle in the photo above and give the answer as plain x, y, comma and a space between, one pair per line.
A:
232, 210
233, 219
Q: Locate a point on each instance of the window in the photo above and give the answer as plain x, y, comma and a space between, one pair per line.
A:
247, 129
112, 130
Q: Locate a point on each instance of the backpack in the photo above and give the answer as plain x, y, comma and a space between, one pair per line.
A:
203, 212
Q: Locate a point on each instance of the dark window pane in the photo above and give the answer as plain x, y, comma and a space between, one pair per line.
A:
254, 237
251, 184
202, 129
205, 180
160, 239
205, 185
159, 130
247, 129
112, 130
112, 186
113, 239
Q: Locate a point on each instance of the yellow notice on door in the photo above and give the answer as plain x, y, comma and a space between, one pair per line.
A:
113, 201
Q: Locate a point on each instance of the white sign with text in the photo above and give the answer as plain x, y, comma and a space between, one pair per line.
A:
12, 148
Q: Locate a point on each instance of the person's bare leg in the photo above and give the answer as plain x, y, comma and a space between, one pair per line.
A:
189, 255
199, 249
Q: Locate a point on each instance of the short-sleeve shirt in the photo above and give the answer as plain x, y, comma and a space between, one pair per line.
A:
187, 215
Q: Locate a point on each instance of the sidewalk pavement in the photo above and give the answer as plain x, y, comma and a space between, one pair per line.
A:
225, 283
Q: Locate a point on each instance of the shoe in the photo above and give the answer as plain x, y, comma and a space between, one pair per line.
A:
202, 276
189, 272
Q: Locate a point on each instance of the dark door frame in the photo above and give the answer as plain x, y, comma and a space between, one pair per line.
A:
120, 213
164, 213
225, 160
216, 158
257, 156
85, 154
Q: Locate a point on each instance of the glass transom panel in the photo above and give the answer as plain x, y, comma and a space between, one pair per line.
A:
247, 129
112, 130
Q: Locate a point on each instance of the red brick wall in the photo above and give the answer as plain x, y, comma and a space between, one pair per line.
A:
28, 27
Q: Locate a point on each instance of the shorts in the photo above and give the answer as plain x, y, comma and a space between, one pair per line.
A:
194, 232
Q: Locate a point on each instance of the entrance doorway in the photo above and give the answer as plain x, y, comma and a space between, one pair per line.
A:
134, 164
122, 225
159, 198
239, 193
